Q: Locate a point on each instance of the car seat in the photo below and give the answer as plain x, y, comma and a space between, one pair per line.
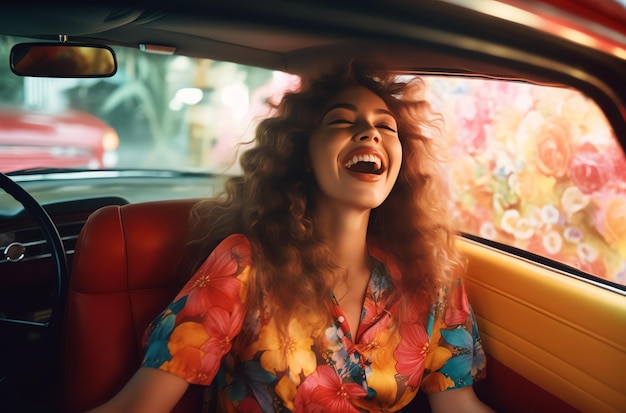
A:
129, 262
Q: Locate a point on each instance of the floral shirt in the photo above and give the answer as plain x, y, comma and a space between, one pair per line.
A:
205, 336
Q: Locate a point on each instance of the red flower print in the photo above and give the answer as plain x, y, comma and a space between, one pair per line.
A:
324, 392
411, 353
371, 313
222, 327
209, 365
214, 284
590, 169
377, 343
458, 306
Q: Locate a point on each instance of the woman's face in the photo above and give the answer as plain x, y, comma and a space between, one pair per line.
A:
355, 152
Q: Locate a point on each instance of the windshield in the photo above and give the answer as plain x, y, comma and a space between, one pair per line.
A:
157, 112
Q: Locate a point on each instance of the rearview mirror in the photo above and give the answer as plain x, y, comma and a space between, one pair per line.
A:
62, 60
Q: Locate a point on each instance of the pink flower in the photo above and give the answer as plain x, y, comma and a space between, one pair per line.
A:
590, 169
411, 353
458, 306
619, 162
215, 283
473, 131
222, 327
370, 311
324, 392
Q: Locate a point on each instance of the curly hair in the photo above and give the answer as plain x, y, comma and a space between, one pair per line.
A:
272, 203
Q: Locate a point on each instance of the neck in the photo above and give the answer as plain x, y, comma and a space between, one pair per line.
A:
345, 232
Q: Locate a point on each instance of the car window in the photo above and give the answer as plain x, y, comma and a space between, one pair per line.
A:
537, 168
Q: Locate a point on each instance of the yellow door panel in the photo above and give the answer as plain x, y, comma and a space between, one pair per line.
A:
565, 335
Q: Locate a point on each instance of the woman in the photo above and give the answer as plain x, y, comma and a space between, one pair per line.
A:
332, 284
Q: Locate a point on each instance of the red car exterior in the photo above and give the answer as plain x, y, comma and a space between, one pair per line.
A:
68, 139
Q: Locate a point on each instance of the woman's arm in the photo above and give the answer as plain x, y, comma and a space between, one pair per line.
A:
149, 390
462, 400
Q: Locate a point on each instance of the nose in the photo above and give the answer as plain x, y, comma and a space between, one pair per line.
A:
368, 133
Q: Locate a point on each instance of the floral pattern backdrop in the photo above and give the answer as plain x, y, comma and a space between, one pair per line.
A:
538, 168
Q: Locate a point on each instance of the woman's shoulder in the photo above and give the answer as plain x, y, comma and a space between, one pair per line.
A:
233, 242
230, 259
452, 303
234, 248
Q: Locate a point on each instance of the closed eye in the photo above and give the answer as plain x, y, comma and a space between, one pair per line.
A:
389, 128
340, 121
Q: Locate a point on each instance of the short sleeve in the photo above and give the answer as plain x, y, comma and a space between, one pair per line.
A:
455, 356
190, 337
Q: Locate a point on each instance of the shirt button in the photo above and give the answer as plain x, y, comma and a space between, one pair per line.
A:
340, 319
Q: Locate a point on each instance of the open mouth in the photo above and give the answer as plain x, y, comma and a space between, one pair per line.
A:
365, 164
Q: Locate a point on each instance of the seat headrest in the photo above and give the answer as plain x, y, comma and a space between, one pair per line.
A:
135, 246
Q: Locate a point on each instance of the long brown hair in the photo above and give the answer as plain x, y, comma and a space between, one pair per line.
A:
272, 202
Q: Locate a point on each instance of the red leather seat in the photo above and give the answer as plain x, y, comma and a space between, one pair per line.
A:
130, 261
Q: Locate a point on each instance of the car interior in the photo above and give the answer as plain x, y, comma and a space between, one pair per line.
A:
553, 334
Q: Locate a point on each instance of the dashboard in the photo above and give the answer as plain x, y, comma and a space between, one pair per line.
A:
28, 279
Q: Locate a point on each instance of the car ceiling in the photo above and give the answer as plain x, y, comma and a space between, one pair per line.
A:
302, 36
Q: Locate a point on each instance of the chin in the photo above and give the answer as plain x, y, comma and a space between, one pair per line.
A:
369, 203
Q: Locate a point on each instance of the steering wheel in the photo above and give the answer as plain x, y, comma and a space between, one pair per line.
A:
22, 356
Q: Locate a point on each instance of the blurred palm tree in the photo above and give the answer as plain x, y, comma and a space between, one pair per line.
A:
142, 97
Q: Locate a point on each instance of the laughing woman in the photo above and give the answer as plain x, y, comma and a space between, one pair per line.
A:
332, 283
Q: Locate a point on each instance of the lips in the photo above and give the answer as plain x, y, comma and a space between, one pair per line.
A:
365, 161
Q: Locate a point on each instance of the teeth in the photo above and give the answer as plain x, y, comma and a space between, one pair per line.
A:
364, 158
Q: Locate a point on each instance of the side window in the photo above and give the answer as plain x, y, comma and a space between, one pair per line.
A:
537, 168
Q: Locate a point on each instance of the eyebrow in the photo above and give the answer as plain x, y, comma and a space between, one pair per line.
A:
353, 108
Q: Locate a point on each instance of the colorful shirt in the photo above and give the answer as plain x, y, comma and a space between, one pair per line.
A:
205, 336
